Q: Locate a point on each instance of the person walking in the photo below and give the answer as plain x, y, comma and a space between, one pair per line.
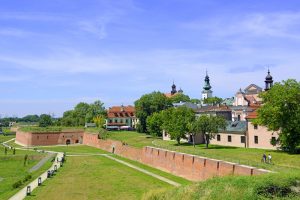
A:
264, 158
269, 159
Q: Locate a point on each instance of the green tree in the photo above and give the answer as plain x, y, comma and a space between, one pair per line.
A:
208, 126
176, 121
148, 104
281, 112
195, 101
180, 98
45, 120
213, 100
99, 120
68, 118
154, 124
80, 112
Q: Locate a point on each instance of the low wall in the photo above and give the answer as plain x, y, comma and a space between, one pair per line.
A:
191, 167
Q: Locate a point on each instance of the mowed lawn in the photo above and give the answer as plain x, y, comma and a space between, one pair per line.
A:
282, 161
96, 177
12, 169
73, 149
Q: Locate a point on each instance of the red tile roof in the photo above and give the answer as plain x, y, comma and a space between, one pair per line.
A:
169, 95
214, 108
121, 112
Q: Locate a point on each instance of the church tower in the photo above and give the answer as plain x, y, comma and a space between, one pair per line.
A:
173, 91
268, 81
206, 93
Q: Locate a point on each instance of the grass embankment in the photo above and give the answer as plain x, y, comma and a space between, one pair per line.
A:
36, 129
12, 169
96, 177
270, 186
132, 138
282, 161
4, 138
73, 149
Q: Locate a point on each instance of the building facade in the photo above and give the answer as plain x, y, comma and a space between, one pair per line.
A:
121, 117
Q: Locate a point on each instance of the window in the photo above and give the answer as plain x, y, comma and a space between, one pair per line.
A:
218, 137
47, 136
229, 138
256, 139
110, 121
126, 121
116, 121
121, 120
239, 117
255, 126
243, 139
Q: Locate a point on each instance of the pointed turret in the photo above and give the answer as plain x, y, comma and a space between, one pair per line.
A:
268, 81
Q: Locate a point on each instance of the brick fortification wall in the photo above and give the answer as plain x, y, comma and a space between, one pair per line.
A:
191, 167
51, 138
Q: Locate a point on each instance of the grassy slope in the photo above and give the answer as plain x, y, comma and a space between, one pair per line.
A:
73, 149
281, 160
132, 138
12, 169
86, 149
6, 138
231, 188
96, 178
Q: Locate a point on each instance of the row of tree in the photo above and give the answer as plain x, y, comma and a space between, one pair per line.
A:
84, 113
181, 122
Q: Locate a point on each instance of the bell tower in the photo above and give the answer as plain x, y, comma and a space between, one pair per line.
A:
206, 93
268, 81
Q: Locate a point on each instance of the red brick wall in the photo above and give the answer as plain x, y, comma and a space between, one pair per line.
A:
40, 139
185, 165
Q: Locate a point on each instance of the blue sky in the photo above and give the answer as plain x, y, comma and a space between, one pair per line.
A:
54, 54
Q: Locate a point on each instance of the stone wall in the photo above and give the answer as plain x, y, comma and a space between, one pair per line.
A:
191, 167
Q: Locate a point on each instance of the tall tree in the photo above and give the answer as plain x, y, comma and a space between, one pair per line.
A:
148, 104
176, 120
154, 124
45, 120
281, 112
213, 100
180, 98
208, 126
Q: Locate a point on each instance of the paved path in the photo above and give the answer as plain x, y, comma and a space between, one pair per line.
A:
34, 184
41, 162
144, 171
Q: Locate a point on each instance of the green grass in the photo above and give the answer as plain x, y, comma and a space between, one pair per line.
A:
12, 169
285, 186
96, 177
4, 138
282, 161
73, 149
36, 129
132, 138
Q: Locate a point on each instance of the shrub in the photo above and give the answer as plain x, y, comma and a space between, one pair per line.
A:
27, 178
17, 184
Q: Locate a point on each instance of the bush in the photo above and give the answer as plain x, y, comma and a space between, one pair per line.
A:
17, 184
27, 178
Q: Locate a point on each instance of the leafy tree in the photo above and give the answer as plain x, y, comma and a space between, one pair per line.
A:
68, 118
213, 100
208, 126
180, 97
45, 120
148, 104
80, 112
30, 118
176, 120
281, 112
195, 101
99, 120
154, 124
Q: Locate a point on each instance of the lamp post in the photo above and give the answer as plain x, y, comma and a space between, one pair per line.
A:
28, 190
39, 181
55, 168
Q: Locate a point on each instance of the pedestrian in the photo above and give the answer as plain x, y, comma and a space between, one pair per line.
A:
269, 158
264, 158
